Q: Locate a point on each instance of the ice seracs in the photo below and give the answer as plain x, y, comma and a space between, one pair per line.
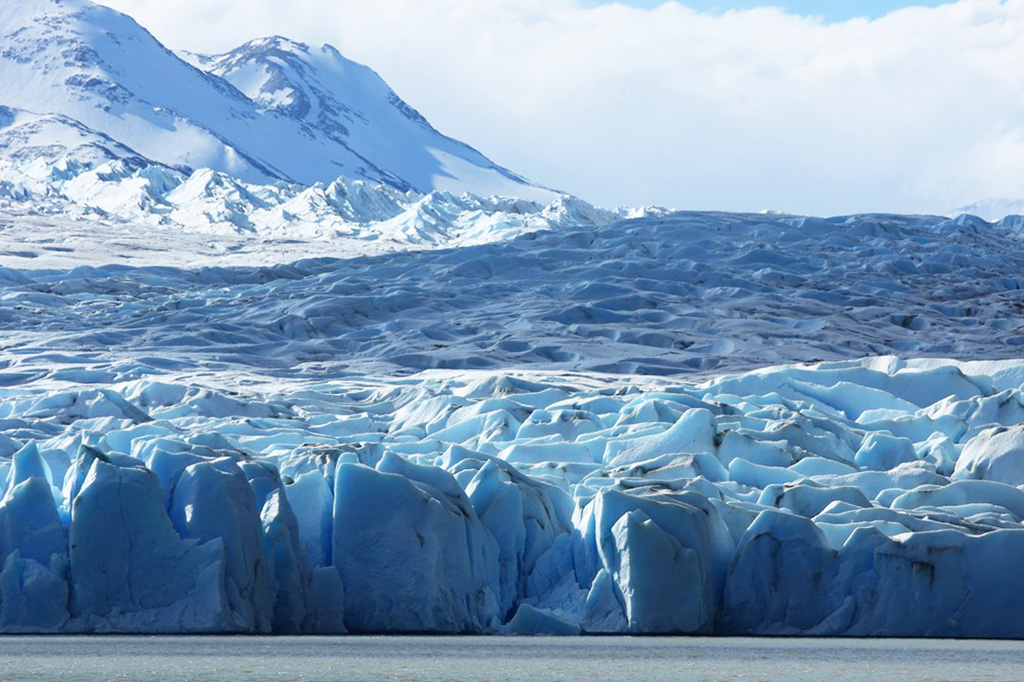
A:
348, 214
364, 507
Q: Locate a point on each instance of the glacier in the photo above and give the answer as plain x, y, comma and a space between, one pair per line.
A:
279, 357
518, 502
474, 439
238, 222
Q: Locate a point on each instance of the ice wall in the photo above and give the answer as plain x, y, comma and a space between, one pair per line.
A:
857, 498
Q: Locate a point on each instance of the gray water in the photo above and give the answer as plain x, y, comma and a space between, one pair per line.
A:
354, 659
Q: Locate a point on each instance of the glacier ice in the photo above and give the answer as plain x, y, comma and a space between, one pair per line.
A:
341, 446
363, 506
412, 554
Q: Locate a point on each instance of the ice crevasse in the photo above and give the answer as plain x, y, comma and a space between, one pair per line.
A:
865, 498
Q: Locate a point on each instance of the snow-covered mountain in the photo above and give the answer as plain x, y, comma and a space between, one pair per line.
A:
84, 83
991, 209
276, 141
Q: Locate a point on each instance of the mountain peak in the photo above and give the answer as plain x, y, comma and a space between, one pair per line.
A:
352, 105
318, 85
279, 44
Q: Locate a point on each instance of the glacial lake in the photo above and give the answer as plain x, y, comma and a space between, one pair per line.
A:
374, 659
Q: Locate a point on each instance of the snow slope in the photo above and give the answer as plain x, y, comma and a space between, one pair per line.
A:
312, 116
35, 140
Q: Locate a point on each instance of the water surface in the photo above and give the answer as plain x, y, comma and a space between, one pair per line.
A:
355, 659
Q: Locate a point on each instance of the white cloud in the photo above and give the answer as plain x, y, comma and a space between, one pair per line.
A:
922, 110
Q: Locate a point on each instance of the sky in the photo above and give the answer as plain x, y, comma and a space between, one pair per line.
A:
705, 105
830, 10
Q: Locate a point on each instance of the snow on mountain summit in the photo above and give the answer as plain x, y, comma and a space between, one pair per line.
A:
351, 105
92, 81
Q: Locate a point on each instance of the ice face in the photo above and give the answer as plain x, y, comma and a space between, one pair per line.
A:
129, 568
411, 551
720, 507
